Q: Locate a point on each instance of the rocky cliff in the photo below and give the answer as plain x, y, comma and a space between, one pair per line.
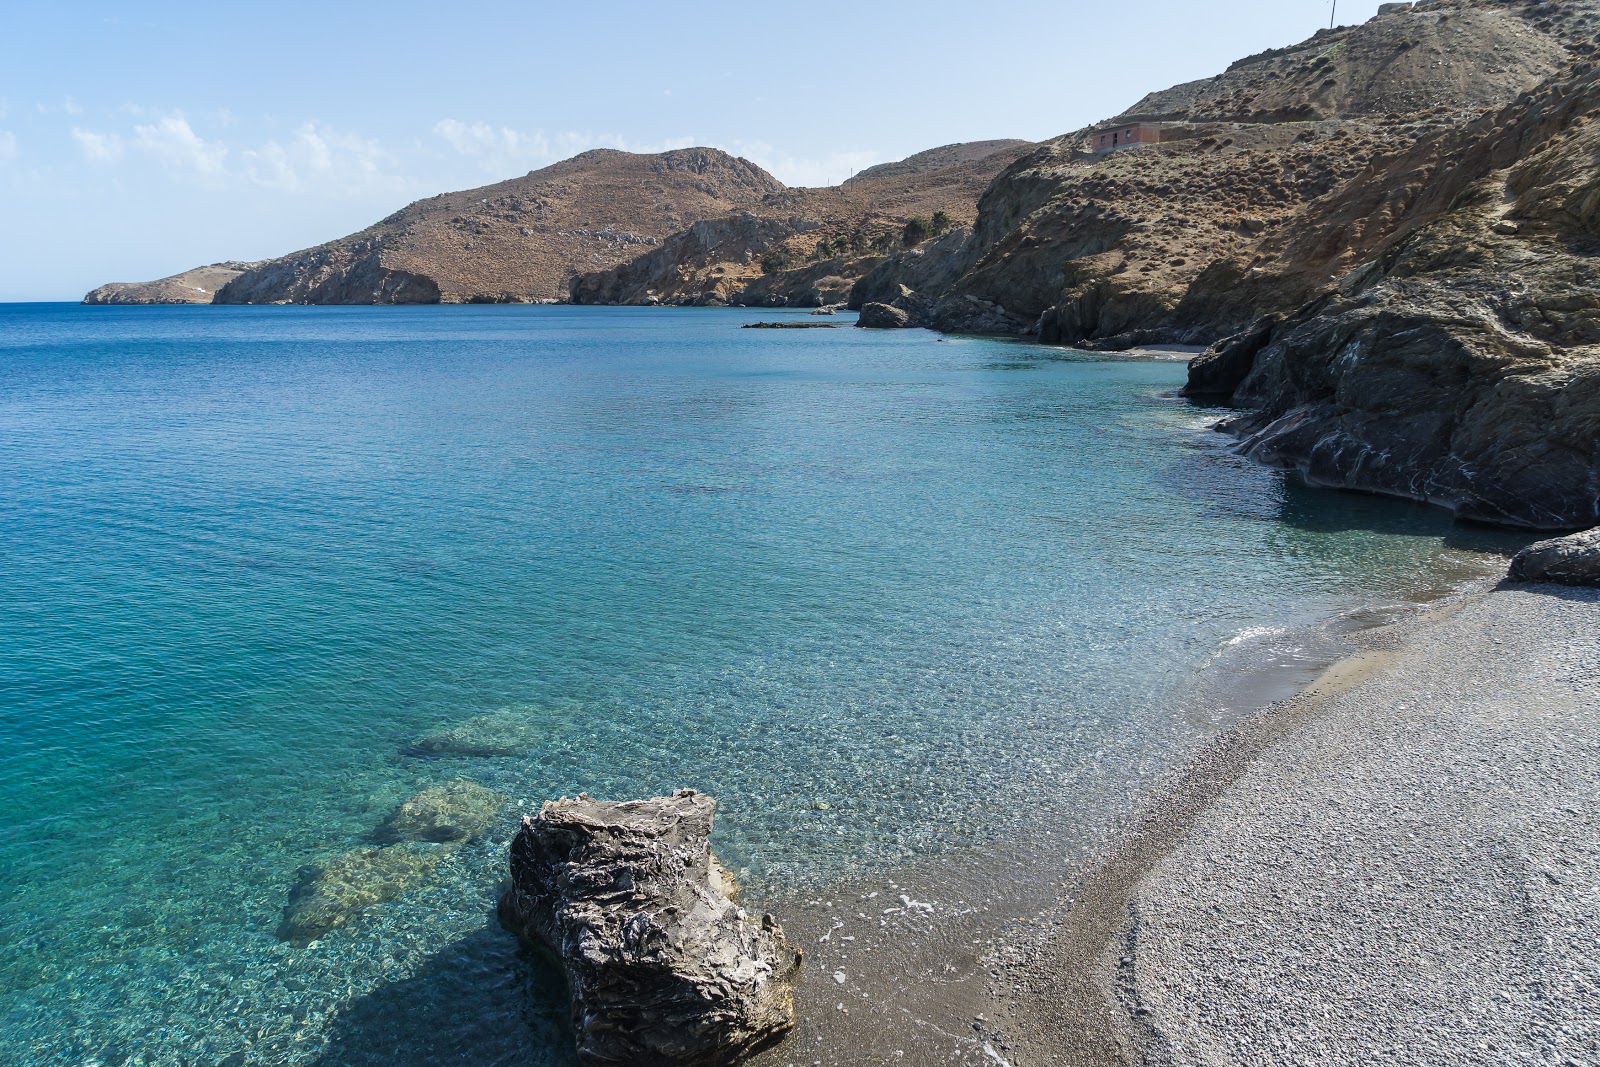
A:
197, 286
1453, 355
1150, 244
517, 240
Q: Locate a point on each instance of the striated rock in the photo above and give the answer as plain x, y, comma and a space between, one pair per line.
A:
1572, 560
1460, 363
883, 317
663, 966
451, 812
331, 894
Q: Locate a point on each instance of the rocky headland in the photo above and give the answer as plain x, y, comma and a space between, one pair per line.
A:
197, 286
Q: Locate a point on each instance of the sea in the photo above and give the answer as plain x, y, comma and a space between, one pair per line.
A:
267, 572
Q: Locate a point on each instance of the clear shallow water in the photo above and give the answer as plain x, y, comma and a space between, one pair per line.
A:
859, 585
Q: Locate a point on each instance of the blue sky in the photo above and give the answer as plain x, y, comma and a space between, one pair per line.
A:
139, 140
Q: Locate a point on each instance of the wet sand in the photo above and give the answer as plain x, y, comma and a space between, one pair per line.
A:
955, 960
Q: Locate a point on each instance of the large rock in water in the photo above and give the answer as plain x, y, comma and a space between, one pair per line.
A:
664, 967
883, 317
1574, 559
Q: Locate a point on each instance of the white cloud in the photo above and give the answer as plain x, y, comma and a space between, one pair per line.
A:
8, 146
172, 141
70, 106
320, 159
500, 150
803, 170
98, 147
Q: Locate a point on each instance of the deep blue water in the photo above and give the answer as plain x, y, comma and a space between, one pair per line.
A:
853, 583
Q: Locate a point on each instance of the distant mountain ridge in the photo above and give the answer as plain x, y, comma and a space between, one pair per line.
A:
516, 240
536, 237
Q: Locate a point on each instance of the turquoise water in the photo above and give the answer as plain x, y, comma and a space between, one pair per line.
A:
856, 584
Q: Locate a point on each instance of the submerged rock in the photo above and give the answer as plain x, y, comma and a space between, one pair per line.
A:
330, 895
452, 812
664, 967
1574, 560
508, 732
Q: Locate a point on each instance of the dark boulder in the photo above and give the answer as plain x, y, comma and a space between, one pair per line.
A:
663, 966
883, 317
1573, 560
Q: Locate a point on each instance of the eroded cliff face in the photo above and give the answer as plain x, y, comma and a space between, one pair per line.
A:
1458, 360
518, 240
1170, 242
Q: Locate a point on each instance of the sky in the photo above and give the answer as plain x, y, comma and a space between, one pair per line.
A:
138, 140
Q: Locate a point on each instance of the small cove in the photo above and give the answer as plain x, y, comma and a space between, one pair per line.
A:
887, 596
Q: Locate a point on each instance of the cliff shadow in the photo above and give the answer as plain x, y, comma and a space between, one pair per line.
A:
484, 999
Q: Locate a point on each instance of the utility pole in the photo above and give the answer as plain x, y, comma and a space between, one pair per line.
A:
1333, 14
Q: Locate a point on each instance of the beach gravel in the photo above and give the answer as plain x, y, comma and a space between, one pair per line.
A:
1410, 875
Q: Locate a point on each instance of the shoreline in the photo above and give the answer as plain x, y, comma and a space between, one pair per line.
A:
1288, 899
980, 976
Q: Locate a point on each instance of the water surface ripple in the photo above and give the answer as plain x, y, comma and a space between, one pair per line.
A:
883, 594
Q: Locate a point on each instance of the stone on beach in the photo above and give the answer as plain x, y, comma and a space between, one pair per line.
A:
1573, 560
333, 893
663, 966
450, 812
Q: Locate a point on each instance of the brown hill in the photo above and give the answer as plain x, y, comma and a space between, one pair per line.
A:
721, 261
197, 286
517, 240
949, 155
1111, 251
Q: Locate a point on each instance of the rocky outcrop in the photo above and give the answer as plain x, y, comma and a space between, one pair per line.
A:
197, 286
1163, 244
709, 262
883, 317
518, 240
1459, 365
1572, 560
664, 968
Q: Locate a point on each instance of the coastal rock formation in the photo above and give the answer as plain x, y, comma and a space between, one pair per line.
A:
706, 264
883, 317
329, 895
197, 286
517, 240
1573, 560
1160, 244
450, 812
664, 968
1459, 362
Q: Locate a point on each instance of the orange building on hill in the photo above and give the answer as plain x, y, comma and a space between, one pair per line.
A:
1132, 135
